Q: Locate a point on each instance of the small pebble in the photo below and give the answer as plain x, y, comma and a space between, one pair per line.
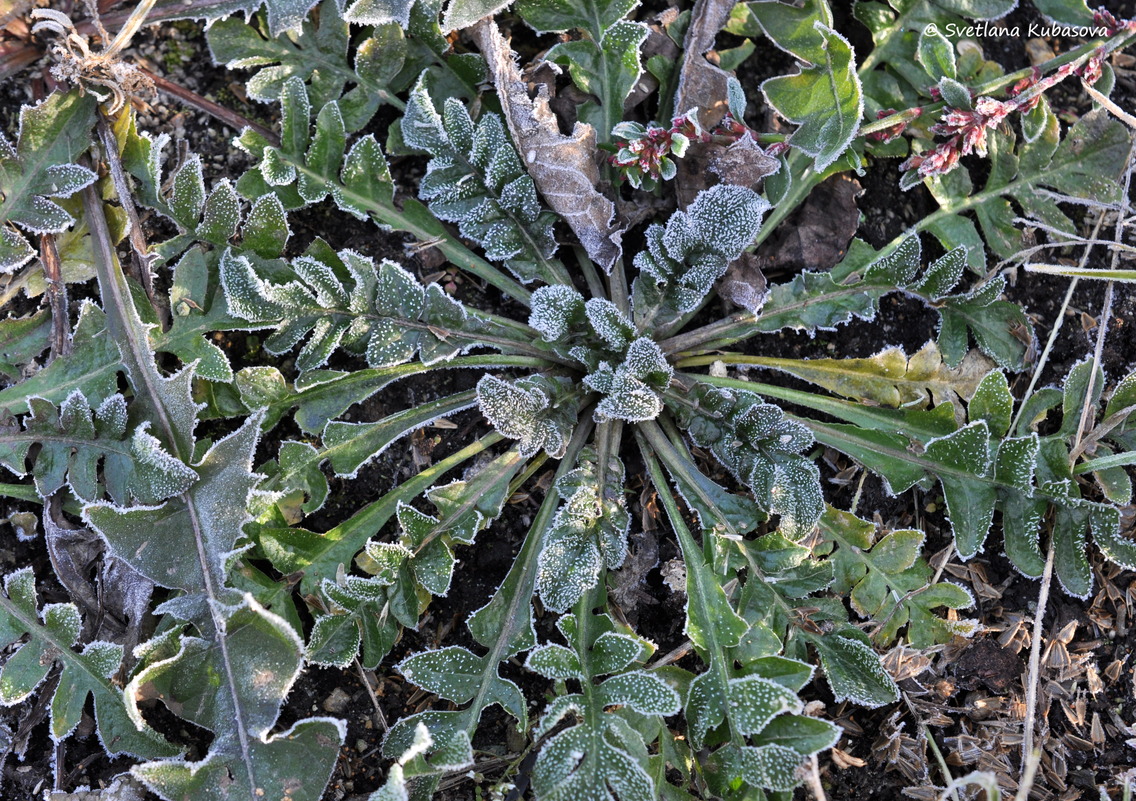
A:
336, 702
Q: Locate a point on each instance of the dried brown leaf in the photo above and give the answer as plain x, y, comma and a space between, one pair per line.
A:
73, 552
116, 601
743, 163
564, 168
744, 283
702, 85
627, 585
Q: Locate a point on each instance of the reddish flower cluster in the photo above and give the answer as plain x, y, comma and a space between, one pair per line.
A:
967, 131
1023, 86
648, 152
893, 131
1105, 19
645, 157
1093, 69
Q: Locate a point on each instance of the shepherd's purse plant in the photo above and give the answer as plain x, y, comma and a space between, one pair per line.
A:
599, 330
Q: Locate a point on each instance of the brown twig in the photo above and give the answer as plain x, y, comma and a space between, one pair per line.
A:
56, 296
139, 250
379, 716
218, 112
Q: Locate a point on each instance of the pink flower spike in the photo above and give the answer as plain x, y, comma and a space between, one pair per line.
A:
892, 131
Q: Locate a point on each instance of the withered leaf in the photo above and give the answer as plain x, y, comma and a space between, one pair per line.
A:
743, 163
744, 283
702, 85
564, 168
73, 552
115, 605
627, 585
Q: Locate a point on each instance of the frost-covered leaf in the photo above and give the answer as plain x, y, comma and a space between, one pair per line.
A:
382, 311
556, 311
719, 511
395, 788
750, 704
198, 309
459, 675
153, 539
854, 671
359, 614
582, 762
318, 55
824, 300
304, 168
559, 16
22, 339
283, 15
887, 580
563, 167
814, 301
602, 754
91, 368
476, 180
772, 766
211, 217
538, 411
824, 99
981, 470
232, 674
607, 67
266, 229
40, 166
504, 626
349, 446
74, 438
970, 504
454, 673
632, 389
51, 636
684, 259
187, 196
588, 533
761, 448
464, 13
245, 758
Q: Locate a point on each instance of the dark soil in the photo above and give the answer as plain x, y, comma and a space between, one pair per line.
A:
962, 679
